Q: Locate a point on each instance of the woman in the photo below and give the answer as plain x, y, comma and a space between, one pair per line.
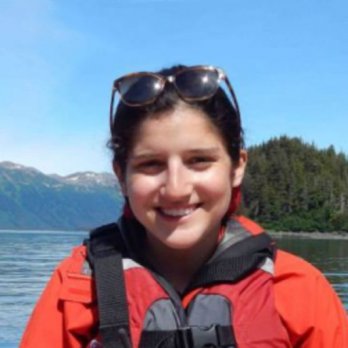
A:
179, 269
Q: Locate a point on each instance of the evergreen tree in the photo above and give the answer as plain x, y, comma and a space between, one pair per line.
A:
291, 185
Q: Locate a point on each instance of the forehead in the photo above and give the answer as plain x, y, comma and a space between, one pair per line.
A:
182, 127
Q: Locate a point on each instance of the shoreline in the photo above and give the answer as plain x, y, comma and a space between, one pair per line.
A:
310, 235
276, 234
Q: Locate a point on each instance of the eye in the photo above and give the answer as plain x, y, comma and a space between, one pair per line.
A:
149, 166
200, 162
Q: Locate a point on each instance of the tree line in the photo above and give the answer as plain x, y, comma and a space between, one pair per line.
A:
294, 186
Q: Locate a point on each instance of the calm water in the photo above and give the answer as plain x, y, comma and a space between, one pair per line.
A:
330, 256
28, 258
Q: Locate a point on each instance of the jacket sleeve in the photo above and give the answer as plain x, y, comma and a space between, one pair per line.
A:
63, 317
308, 305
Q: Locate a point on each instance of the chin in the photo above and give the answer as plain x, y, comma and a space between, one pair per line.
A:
180, 245
179, 242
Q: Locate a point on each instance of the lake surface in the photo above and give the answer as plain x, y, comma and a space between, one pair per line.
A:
28, 258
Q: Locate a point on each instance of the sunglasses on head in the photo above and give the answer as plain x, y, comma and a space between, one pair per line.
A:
192, 84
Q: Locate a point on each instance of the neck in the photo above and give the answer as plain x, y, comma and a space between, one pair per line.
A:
178, 266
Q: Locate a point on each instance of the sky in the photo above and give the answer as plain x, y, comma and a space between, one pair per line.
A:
287, 61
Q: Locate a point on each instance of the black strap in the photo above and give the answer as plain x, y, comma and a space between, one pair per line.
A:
158, 339
190, 337
106, 261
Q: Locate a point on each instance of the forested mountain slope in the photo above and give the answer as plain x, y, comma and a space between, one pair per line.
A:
291, 185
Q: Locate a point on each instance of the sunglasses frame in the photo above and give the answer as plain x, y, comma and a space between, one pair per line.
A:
162, 79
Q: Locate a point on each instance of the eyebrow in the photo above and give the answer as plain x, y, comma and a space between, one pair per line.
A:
198, 151
208, 150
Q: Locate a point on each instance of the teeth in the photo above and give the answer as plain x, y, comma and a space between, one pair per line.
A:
178, 212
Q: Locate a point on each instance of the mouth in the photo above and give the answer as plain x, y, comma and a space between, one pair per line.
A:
177, 213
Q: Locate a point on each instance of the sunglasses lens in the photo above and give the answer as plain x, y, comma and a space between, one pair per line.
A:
197, 83
139, 89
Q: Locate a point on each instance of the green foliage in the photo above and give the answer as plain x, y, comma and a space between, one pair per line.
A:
293, 186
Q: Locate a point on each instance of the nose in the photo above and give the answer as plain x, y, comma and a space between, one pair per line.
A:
178, 183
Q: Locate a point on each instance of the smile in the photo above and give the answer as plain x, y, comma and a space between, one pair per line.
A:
177, 212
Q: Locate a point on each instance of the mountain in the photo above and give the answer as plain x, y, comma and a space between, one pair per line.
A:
293, 186
30, 199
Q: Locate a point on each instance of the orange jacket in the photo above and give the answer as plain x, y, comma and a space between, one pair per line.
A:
66, 315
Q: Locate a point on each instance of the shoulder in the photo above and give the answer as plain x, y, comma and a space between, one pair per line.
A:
297, 281
68, 279
74, 263
307, 303
74, 277
288, 265
64, 310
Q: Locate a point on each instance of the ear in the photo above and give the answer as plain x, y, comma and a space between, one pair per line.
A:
239, 169
120, 177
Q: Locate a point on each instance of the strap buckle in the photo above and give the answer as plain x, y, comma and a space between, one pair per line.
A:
198, 337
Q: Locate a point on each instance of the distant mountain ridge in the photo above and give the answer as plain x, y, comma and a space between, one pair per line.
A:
30, 199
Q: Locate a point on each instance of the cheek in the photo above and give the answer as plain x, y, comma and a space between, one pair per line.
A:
140, 189
217, 186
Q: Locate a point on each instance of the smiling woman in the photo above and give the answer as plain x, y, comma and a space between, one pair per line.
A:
180, 268
179, 190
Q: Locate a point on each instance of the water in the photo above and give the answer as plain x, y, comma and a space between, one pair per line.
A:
28, 258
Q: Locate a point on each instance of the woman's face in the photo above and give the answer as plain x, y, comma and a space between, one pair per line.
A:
179, 178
